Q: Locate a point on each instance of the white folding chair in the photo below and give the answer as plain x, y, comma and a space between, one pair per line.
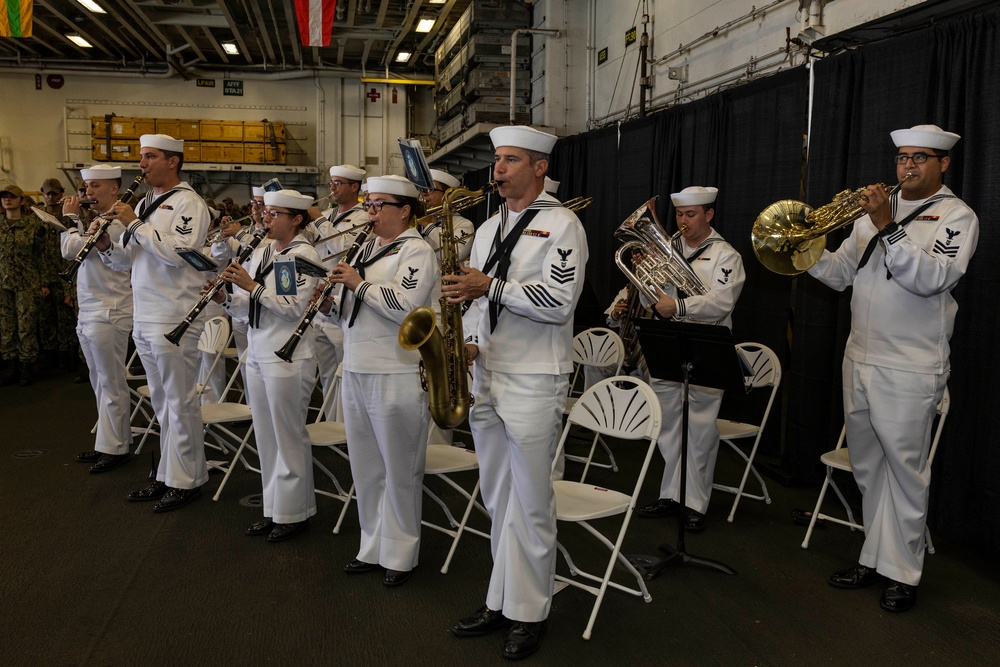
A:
213, 341
764, 371
443, 461
595, 348
220, 418
839, 459
627, 409
331, 435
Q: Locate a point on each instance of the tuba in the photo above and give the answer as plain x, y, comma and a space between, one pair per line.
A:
789, 236
661, 265
444, 364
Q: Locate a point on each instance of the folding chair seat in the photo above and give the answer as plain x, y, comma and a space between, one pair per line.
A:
331, 435
764, 372
626, 409
595, 348
219, 419
839, 459
443, 461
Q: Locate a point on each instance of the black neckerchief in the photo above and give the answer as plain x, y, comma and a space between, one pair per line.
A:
147, 211
870, 248
365, 263
679, 245
503, 247
263, 269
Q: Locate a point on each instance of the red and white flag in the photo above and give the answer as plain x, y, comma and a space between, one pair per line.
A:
315, 21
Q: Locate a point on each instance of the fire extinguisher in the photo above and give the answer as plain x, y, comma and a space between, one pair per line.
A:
393, 94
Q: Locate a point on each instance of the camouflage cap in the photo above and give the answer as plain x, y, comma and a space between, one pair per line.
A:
51, 184
10, 188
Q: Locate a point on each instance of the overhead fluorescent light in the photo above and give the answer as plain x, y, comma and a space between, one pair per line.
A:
230, 48
437, 2
403, 56
92, 6
79, 41
425, 25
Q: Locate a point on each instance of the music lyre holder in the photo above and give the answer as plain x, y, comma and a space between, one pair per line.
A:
700, 354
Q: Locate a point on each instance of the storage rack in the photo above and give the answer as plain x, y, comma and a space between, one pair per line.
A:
473, 69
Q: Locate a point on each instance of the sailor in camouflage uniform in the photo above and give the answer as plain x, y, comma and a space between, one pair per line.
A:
21, 244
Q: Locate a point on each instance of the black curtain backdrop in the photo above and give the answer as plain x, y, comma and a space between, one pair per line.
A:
947, 74
750, 142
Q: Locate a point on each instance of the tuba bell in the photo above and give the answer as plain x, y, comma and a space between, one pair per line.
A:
661, 265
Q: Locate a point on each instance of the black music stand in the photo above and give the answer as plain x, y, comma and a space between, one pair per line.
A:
684, 352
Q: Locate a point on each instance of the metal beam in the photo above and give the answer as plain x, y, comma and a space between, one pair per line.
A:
237, 34
292, 22
74, 27
61, 38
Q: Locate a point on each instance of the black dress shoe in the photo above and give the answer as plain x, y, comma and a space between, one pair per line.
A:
694, 522
662, 507
358, 566
261, 527
395, 577
523, 640
286, 531
858, 576
898, 597
88, 457
109, 462
154, 491
483, 621
175, 499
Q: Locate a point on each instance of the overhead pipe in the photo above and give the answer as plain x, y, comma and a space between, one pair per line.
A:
513, 58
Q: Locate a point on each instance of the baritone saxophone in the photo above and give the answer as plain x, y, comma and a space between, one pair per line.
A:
444, 371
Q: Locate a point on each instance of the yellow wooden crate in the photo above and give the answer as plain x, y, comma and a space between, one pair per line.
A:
221, 151
221, 130
192, 151
122, 150
121, 127
254, 132
188, 130
264, 154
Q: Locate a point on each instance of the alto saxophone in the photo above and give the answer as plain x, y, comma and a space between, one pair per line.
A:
444, 364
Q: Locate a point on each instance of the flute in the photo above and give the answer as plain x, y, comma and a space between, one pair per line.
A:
178, 332
70, 273
286, 351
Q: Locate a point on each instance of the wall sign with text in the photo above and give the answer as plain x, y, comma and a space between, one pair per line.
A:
630, 37
232, 87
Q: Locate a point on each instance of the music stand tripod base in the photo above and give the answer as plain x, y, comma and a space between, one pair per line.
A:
681, 352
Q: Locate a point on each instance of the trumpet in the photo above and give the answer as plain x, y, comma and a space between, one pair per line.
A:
288, 349
339, 234
70, 273
578, 203
178, 332
460, 204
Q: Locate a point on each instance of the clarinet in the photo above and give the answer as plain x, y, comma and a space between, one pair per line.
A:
286, 351
70, 273
178, 331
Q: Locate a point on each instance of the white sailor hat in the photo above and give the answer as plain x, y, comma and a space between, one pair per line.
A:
348, 171
925, 136
101, 172
291, 199
693, 196
392, 185
364, 186
256, 192
551, 186
162, 141
522, 136
444, 177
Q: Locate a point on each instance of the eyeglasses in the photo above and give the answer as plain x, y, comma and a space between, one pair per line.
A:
378, 205
271, 213
918, 158
337, 184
